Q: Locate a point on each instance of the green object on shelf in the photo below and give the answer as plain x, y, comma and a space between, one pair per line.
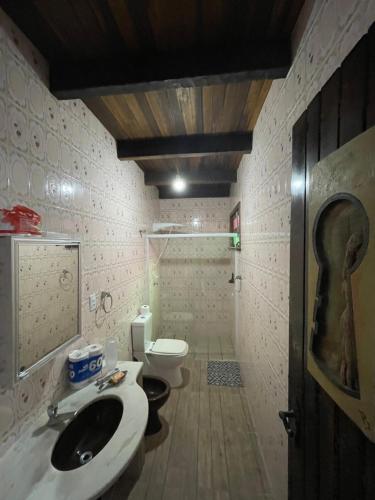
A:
236, 241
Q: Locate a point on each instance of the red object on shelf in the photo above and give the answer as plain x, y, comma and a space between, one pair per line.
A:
19, 220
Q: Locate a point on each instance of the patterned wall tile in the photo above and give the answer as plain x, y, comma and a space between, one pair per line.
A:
193, 275
56, 158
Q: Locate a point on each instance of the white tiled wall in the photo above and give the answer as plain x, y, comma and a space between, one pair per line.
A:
198, 215
195, 295
56, 158
334, 27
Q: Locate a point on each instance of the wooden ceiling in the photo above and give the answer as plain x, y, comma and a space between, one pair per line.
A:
212, 109
152, 69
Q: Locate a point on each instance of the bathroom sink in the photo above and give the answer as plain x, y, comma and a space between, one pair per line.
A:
110, 426
87, 434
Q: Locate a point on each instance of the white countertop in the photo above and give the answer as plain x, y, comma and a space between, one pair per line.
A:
26, 471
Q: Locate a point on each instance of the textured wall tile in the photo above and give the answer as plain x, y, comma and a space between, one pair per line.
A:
194, 291
56, 158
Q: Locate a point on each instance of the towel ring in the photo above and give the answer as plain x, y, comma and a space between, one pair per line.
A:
103, 307
103, 297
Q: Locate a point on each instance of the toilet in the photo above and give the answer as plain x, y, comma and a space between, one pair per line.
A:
162, 358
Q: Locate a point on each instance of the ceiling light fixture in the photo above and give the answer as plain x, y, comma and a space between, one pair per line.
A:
179, 184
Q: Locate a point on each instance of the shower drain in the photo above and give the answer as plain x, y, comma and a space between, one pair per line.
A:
86, 457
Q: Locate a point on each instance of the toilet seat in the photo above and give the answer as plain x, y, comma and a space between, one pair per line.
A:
169, 347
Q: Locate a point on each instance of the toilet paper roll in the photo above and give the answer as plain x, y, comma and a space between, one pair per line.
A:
78, 362
95, 352
145, 309
94, 349
78, 355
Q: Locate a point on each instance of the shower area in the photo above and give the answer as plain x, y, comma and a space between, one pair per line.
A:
189, 283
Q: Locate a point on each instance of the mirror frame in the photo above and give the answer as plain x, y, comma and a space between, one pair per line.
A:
16, 241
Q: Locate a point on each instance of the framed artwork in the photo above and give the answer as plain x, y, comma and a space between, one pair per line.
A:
341, 278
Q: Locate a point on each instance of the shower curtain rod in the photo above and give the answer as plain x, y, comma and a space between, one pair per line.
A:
191, 235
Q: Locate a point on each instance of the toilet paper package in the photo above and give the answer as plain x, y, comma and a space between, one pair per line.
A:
145, 309
95, 359
78, 362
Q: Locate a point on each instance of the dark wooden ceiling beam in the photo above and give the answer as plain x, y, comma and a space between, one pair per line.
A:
256, 61
201, 175
184, 146
196, 191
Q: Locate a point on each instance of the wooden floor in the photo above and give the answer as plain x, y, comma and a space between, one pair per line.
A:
207, 448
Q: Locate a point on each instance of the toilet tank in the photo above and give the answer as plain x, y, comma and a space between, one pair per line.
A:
141, 332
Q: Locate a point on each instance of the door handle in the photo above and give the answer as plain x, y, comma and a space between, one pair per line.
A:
289, 420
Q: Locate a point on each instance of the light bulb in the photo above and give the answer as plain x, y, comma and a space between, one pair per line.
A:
179, 184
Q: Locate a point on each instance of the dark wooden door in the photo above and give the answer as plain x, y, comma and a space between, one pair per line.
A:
329, 457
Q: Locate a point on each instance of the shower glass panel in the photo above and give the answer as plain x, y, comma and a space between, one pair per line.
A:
196, 300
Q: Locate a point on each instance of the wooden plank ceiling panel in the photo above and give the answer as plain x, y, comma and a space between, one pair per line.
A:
85, 29
197, 191
172, 26
210, 109
181, 165
89, 29
162, 177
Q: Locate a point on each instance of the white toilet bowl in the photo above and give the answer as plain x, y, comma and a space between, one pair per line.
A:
165, 358
162, 358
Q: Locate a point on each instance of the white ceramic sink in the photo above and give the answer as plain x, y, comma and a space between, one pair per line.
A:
26, 470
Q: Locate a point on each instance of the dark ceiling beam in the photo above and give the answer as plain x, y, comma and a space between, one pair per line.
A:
196, 191
184, 146
200, 175
258, 61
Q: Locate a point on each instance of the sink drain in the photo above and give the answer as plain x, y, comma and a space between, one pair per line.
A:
86, 457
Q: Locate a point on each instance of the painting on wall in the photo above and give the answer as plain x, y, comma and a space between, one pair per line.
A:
341, 278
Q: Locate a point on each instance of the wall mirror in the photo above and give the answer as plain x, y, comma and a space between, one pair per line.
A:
40, 293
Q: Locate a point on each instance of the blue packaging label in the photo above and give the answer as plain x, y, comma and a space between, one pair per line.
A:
95, 364
79, 371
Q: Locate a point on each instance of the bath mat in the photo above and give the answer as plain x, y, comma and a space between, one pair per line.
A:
224, 373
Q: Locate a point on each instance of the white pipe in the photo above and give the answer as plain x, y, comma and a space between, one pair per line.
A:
191, 235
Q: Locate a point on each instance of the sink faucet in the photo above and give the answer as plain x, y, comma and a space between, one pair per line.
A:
55, 417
